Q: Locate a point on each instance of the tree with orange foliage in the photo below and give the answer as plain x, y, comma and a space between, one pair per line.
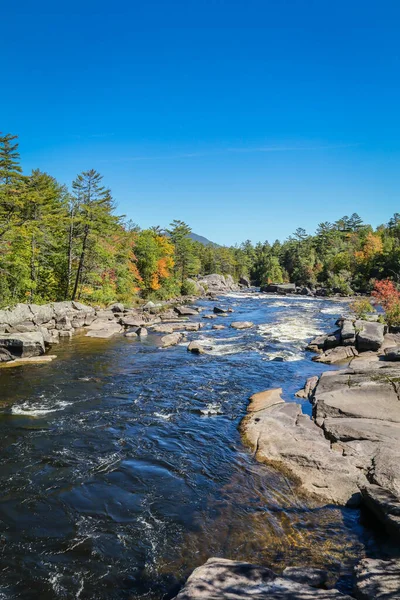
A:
154, 259
371, 247
388, 296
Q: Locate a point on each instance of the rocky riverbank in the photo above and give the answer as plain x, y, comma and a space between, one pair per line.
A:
27, 331
347, 454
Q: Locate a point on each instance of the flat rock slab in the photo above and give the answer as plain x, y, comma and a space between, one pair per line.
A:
282, 436
242, 324
185, 311
378, 579
103, 329
18, 362
222, 579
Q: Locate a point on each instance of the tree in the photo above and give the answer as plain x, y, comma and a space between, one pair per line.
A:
186, 261
93, 219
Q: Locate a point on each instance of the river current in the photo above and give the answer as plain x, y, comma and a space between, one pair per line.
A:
122, 468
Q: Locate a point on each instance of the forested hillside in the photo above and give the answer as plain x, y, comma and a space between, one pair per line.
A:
58, 243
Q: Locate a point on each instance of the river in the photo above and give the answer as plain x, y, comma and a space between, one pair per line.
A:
122, 467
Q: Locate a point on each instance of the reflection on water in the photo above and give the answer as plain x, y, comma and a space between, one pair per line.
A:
122, 467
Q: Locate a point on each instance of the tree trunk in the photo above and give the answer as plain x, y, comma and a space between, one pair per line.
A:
81, 261
69, 267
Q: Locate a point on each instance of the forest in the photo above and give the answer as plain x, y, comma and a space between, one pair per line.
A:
58, 243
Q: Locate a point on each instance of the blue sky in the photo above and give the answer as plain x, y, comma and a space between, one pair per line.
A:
246, 119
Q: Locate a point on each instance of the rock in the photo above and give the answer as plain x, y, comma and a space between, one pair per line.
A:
223, 579
42, 314
218, 310
66, 333
242, 324
149, 305
5, 355
385, 506
392, 354
308, 391
184, 311
55, 334
310, 575
103, 329
167, 328
282, 436
322, 292
346, 394
359, 410
132, 333
335, 355
31, 359
245, 281
105, 315
142, 332
200, 291
117, 307
305, 291
209, 316
279, 288
348, 332
369, 335
63, 323
193, 326
378, 579
62, 308
131, 321
218, 283
23, 345
171, 340
265, 399
196, 348
218, 327
78, 321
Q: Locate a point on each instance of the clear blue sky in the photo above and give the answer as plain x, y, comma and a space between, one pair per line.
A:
246, 119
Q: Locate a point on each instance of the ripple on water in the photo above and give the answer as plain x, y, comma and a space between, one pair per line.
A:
123, 469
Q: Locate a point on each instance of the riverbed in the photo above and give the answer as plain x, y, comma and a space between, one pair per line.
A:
122, 467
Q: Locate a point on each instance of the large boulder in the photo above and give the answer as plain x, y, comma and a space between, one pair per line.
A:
23, 345
279, 288
336, 355
171, 339
223, 579
217, 283
370, 336
348, 332
245, 282
42, 313
282, 436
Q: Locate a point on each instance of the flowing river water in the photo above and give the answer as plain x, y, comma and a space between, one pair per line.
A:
122, 468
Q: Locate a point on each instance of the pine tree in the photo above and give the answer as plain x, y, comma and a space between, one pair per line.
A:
93, 219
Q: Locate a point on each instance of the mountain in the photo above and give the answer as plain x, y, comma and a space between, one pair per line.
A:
201, 239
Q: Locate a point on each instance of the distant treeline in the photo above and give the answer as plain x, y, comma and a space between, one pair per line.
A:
58, 243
